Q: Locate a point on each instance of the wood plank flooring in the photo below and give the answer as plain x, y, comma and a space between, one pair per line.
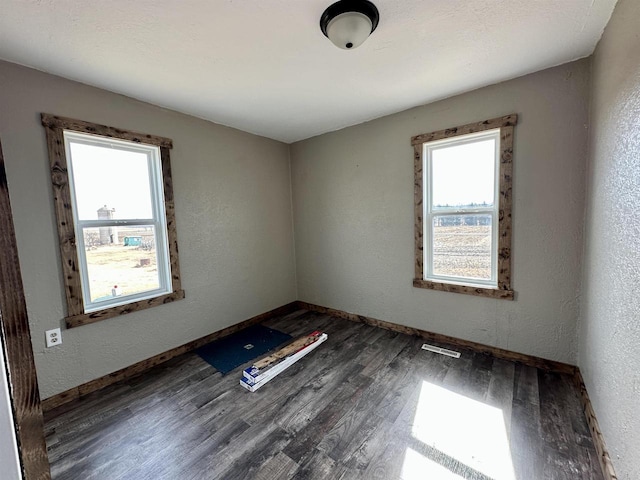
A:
367, 404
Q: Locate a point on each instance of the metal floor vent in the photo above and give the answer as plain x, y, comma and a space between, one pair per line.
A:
440, 350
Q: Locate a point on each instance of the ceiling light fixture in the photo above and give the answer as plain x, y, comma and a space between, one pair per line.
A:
348, 23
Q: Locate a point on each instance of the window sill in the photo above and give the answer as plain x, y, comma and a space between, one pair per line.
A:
467, 289
92, 317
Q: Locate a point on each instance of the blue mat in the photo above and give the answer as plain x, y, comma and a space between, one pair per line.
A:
232, 351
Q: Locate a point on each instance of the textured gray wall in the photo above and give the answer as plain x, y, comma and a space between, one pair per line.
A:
353, 216
233, 213
609, 340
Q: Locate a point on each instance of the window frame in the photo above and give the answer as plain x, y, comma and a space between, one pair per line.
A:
158, 220
77, 315
501, 248
430, 211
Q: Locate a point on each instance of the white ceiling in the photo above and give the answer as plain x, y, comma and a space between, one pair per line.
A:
264, 66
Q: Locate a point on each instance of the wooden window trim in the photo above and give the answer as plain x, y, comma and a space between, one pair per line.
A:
506, 125
15, 339
54, 127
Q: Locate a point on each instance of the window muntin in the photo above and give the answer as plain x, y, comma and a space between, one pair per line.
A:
461, 209
122, 181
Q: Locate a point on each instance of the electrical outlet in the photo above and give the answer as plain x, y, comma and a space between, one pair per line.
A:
54, 337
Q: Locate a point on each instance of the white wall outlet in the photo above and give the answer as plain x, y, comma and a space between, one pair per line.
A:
54, 337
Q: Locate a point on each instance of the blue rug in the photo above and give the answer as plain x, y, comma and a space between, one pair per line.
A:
232, 351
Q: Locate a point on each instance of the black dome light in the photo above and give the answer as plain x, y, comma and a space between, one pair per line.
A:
348, 23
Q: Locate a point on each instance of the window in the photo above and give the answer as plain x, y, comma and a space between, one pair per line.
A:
114, 205
463, 208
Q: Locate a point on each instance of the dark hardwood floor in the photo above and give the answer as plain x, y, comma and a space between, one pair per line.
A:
367, 404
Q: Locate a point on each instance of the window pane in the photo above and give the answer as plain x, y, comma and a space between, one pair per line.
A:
122, 257
110, 182
463, 175
462, 246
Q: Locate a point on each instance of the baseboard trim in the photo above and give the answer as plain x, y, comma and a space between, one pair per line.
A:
138, 368
598, 439
538, 362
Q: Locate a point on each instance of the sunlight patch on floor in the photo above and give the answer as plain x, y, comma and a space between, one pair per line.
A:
418, 467
464, 429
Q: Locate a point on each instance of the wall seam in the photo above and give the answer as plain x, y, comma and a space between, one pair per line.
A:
585, 209
293, 225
